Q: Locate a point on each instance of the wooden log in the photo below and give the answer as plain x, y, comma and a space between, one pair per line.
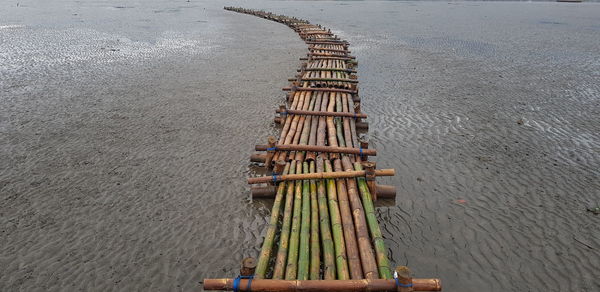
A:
343, 174
364, 285
258, 157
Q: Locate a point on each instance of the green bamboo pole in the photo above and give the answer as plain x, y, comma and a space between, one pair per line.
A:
291, 270
336, 225
329, 270
315, 249
284, 238
304, 253
267, 247
380, 250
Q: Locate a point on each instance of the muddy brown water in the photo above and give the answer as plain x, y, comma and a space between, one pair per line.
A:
126, 131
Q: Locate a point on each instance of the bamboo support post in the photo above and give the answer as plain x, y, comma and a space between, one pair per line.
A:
405, 281
248, 267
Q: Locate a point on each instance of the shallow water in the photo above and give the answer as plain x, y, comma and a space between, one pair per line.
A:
126, 132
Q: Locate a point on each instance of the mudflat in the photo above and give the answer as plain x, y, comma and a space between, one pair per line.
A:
126, 132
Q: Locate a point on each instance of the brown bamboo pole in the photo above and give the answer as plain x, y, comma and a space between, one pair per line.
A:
338, 121
353, 256
321, 113
377, 285
337, 228
315, 248
267, 247
329, 269
284, 237
304, 252
352, 121
380, 250
343, 174
328, 149
346, 122
367, 256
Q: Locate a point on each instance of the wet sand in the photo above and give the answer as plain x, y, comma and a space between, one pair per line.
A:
123, 159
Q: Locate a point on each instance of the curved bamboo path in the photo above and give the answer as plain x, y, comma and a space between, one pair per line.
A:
323, 233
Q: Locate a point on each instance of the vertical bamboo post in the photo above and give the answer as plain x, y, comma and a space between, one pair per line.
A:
248, 267
404, 279
370, 178
270, 153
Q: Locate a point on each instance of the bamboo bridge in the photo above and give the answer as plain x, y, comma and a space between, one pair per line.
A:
323, 234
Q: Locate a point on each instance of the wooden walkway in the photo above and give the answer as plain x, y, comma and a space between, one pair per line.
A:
323, 233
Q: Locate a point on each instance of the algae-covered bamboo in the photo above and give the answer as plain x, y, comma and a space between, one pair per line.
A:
291, 269
267, 246
284, 238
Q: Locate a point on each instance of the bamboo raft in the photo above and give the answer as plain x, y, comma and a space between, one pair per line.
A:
323, 233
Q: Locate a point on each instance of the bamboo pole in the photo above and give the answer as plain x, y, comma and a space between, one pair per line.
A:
367, 256
336, 226
284, 238
267, 246
343, 174
291, 269
304, 260
329, 269
377, 285
328, 149
353, 256
315, 248
377, 238
320, 113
